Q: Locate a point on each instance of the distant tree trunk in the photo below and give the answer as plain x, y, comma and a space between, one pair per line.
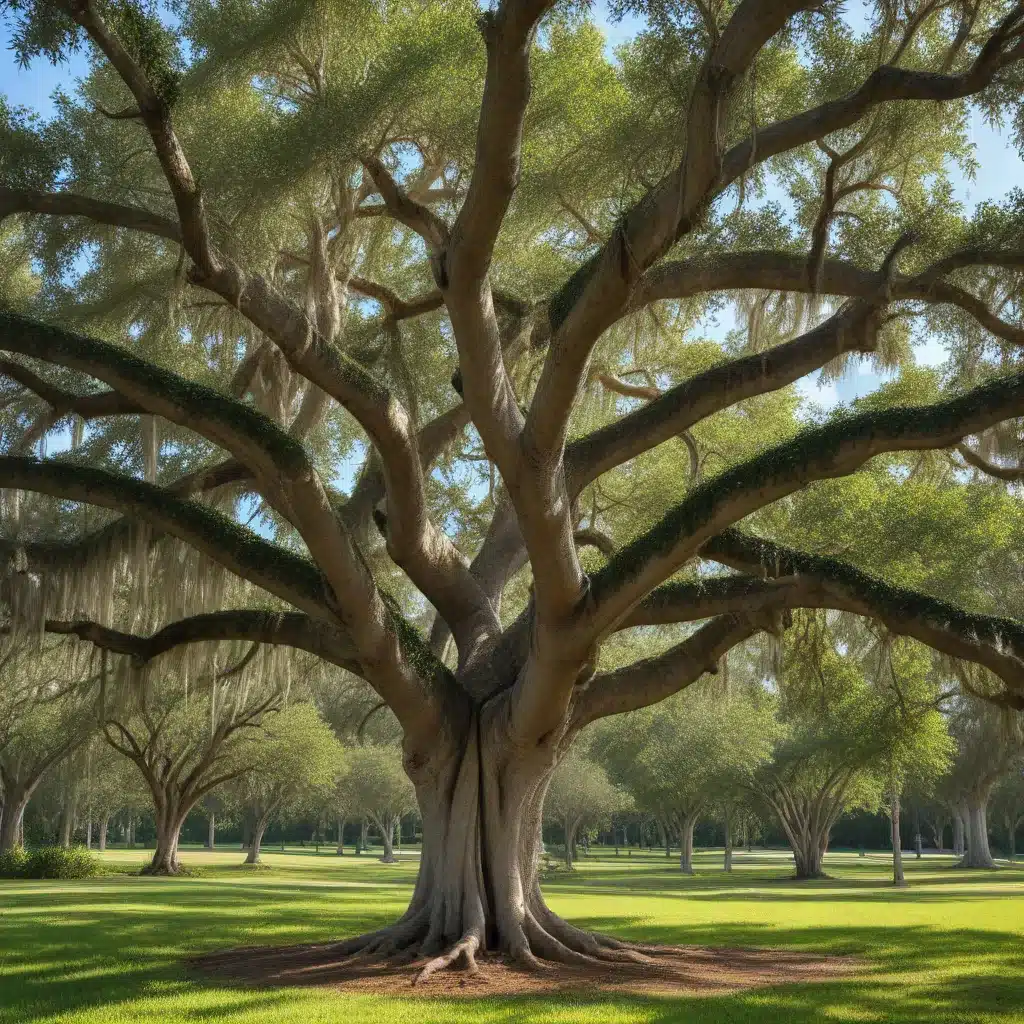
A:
67, 820
978, 854
958, 834
898, 878
686, 844
88, 832
361, 848
1011, 835
665, 836
569, 827
211, 831
341, 837
170, 816
386, 827
131, 832
748, 837
104, 823
728, 840
917, 833
259, 827
11, 834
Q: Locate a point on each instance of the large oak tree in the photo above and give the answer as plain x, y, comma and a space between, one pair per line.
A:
329, 208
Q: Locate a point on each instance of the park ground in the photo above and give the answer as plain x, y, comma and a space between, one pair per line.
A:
950, 948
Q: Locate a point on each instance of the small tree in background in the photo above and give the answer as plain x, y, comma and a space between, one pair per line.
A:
1008, 807
46, 713
380, 790
989, 741
843, 736
580, 796
677, 760
187, 739
113, 784
294, 762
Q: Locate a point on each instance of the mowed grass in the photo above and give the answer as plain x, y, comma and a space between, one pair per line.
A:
950, 948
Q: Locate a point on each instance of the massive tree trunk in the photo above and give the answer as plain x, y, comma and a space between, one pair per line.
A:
478, 884
978, 854
808, 853
898, 878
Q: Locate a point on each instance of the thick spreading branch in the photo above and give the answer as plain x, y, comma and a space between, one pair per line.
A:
68, 204
653, 679
817, 581
288, 629
833, 450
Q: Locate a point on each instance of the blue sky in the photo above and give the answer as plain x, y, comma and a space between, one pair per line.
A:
1001, 166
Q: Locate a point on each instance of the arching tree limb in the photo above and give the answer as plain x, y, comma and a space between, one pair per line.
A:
292, 578
833, 450
1011, 474
852, 328
288, 629
69, 204
653, 679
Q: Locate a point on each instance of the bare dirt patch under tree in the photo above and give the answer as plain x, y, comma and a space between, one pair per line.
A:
663, 970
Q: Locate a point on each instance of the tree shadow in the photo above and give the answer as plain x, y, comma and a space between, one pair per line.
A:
71, 948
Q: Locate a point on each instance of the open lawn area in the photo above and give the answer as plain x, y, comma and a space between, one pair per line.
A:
948, 948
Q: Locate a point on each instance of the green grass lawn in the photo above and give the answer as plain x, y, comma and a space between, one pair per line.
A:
948, 949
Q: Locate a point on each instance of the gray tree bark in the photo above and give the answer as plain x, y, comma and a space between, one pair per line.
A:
211, 831
686, 840
256, 842
341, 838
898, 877
728, 840
12, 822
104, 824
978, 854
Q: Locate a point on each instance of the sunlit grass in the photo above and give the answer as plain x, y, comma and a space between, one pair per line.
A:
948, 949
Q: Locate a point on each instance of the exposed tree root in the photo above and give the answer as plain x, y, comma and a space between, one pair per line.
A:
555, 957
465, 949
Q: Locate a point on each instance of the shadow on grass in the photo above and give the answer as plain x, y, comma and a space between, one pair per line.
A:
120, 943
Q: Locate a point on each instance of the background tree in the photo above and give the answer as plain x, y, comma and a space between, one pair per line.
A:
1008, 806
989, 742
188, 739
294, 760
580, 796
845, 729
380, 791
553, 259
114, 785
678, 759
46, 713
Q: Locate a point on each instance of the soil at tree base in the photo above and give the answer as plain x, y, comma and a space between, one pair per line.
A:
671, 970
